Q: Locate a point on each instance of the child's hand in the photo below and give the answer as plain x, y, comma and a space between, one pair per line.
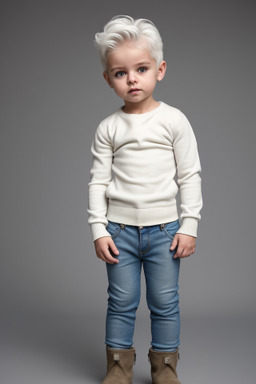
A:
185, 244
103, 246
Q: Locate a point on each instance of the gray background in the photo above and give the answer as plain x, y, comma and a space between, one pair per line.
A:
53, 96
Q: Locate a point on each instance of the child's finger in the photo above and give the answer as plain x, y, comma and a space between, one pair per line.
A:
174, 243
110, 259
113, 247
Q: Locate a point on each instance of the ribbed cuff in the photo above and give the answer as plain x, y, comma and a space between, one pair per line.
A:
189, 226
98, 230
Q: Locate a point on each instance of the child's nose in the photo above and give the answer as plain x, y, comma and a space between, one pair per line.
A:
131, 78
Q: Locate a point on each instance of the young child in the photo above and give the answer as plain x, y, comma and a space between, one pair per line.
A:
132, 199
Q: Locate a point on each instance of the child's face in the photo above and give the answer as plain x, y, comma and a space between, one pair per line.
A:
133, 73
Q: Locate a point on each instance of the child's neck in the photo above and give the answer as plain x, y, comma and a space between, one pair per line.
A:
141, 107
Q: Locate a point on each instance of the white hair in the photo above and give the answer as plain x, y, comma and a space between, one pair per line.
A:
122, 28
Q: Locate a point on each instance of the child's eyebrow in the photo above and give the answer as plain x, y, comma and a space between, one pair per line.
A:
143, 63
115, 69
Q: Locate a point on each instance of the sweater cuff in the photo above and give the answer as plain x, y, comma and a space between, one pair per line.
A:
98, 230
189, 226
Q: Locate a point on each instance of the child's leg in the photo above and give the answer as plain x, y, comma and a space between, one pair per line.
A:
162, 274
124, 287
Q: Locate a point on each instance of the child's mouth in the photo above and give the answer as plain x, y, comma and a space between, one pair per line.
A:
134, 90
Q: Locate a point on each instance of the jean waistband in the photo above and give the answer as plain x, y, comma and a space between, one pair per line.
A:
160, 225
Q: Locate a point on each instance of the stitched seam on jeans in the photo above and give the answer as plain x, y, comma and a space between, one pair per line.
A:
116, 233
168, 234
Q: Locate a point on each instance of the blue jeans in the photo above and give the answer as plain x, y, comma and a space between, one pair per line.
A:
148, 246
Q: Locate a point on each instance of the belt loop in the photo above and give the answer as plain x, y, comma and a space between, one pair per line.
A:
161, 226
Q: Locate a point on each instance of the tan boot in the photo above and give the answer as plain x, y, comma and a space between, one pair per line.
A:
119, 366
163, 367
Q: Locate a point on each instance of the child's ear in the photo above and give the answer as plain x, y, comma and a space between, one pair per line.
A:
106, 77
161, 70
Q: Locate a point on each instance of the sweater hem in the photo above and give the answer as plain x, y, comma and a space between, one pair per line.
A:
142, 216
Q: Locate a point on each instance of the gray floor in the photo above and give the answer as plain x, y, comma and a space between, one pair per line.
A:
61, 349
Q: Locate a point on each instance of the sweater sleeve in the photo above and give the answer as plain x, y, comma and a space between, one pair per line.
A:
100, 178
188, 175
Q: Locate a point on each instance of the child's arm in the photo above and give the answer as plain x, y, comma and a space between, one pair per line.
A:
189, 181
101, 176
103, 247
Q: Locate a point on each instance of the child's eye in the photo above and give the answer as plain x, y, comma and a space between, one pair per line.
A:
120, 74
142, 69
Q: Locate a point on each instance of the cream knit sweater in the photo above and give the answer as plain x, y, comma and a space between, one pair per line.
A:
135, 160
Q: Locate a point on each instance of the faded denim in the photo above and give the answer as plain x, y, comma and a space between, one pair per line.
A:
148, 247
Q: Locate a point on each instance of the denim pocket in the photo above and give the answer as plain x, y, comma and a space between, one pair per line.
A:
171, 228
113, 229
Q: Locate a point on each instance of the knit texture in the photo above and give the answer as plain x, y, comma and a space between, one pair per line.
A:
139, 163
